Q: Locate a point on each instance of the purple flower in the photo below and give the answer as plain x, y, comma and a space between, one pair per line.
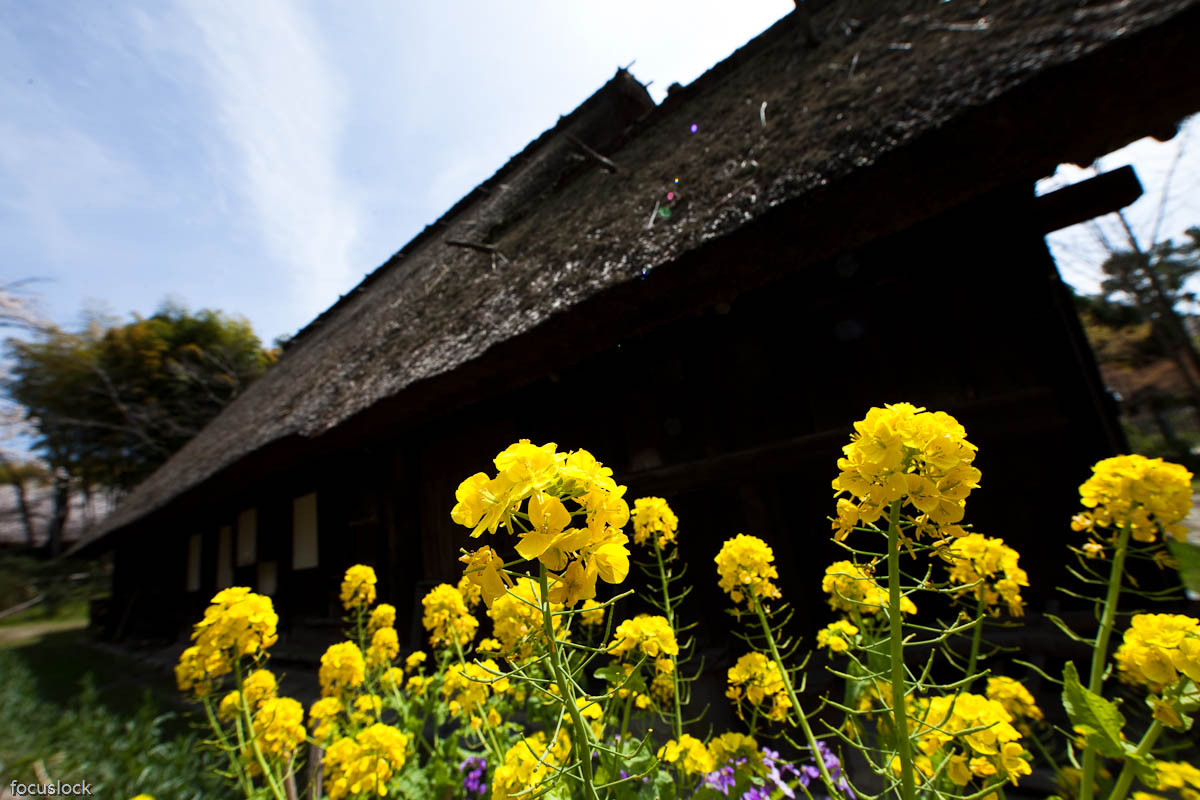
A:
722, 779
475, 767
756, 793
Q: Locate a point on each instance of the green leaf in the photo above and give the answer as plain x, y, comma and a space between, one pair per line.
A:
1187, 556
612, 674
1091, 715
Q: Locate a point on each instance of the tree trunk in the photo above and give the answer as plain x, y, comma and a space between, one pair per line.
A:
26, 512
62, 509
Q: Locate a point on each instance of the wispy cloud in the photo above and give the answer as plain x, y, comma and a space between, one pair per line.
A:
279, 103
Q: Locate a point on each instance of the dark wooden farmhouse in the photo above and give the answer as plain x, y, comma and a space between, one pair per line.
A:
705, 294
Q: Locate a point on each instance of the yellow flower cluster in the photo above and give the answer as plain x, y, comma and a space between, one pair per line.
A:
1174, 775
653, 517
472, 593
384, 647
358, 587
279, 724
467, 687
546, 478
689, 754
237, 623
342, 668
364, 764
992, 565
853, 588
517, 622
731, 746
322, 716
901, 452
1016, 700
975, 731
1147, 495
527, 764
447, 617
647, 635
745, 567
367, 709
593, 614
838, 636
756, 679
382, 616
1157, 647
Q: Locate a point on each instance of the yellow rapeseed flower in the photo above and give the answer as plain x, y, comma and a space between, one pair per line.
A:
838, 636
447, 617
528, 497
384, 647
323, 716
991, 565
467, 687
756, 679
382, 616
236, 624
517, 622
342, 668
279, 724
745, 567
358, 587
731, 746
643, 635
689, 754
902, 452
1146, 495
528, 763
364, 764
1016, 700
653, 517
593, 614
1157, 648
852, 588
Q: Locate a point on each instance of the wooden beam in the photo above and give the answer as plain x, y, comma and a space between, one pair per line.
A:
1086, 200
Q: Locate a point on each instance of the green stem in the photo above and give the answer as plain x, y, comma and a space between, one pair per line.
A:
976, 638
677, 716
896, 639
1100, 654
234, 755
252, 735
580, 742
809, 738
486, 736
1126, 777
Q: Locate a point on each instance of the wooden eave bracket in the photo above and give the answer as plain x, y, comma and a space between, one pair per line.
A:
1086, 200
603, 161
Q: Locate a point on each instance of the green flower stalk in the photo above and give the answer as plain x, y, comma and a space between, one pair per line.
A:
1127, 498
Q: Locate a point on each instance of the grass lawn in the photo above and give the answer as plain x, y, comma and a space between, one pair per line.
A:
74, 712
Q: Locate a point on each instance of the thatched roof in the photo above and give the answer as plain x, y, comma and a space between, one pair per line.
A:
899, 111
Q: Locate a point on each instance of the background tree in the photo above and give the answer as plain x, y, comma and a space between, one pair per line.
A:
112, 403
1154, 280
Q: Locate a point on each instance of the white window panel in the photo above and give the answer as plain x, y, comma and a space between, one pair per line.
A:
268, 577
304, 532
247, 537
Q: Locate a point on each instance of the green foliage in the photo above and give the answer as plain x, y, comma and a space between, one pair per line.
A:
64, 586
1187, 557
113, 403
1096, 718
85, 741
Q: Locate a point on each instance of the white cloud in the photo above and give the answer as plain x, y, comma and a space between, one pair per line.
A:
279, 103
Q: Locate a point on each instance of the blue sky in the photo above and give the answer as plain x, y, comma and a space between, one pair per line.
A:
261, 157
